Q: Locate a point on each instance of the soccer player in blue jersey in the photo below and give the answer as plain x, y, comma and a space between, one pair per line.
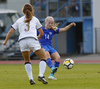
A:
49, 30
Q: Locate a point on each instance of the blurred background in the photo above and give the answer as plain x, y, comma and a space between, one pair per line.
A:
82, 39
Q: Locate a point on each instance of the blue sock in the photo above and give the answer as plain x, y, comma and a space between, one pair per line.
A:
56, 64
49, 63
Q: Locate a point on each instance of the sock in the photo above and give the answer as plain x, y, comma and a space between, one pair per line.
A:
28, 68
49, 63
42, 67
56, 64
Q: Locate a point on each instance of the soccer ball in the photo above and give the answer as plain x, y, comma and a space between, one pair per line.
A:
68, 63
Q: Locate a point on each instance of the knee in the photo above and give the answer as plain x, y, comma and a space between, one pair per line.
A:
57, 59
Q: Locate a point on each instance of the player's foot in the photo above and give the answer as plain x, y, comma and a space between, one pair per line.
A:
51, 77
42, 79
54, 70
32, 82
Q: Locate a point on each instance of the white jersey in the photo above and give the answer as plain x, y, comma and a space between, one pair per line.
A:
26, 31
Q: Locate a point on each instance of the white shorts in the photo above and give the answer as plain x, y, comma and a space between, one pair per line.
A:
29, 43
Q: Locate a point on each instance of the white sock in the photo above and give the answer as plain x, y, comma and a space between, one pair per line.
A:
28, 68
42, 67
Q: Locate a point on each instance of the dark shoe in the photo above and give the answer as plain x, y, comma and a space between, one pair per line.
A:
32, 82
54, 70
42, 79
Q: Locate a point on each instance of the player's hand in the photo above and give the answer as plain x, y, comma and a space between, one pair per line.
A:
4, 43
73, 24
39, 37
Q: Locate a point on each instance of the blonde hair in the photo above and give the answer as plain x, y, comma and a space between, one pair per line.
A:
28, 11
54, 27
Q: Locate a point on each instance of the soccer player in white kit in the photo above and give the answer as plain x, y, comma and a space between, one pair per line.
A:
28, 39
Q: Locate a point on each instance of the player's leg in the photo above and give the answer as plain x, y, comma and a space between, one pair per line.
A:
25, 53
42, 65
55, 56
36, 48
28, 66
49, 51
49, 61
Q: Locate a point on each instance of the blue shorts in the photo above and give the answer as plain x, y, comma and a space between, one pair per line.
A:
49, 48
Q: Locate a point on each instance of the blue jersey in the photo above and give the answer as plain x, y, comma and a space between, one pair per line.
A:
47, 36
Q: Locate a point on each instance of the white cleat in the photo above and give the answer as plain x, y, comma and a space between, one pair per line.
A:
52, 78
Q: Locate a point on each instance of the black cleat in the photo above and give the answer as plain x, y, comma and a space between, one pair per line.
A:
32, 82
54, 70
42, 79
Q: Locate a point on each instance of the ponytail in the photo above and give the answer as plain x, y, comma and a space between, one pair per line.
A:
28, 12
28, 16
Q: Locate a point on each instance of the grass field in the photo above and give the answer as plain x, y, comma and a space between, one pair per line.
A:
82, 76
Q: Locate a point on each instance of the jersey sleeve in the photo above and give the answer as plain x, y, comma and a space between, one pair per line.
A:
57, 31
39, 25
15, 25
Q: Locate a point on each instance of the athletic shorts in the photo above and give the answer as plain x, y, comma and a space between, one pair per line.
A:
29, 43
49, 48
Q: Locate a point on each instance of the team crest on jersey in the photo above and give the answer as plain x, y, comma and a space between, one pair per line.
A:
50, 33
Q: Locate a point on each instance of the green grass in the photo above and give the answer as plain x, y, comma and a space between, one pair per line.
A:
82, 76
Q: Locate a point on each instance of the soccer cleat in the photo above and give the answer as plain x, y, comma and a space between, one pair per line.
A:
51, 77
32, 82
54, 70
42, 79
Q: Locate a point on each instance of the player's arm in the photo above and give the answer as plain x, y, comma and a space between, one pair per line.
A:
40, 33
67, 27
8, 36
